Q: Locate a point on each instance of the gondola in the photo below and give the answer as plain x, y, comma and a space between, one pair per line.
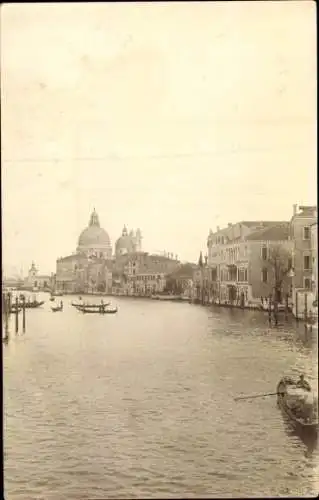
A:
90, 306
101, 310
57, 309
31, 305
14, 309
34, 304
301, 423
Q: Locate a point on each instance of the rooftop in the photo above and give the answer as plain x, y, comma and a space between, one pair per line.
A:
278, 232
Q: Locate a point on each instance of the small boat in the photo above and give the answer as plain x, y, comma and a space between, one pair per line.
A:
30, 304
101, 310
34, 304
58, 308
302, 421
90, 306
14, 309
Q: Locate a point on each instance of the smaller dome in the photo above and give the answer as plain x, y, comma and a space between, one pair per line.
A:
124, 244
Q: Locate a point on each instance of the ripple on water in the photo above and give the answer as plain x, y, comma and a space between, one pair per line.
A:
142, 406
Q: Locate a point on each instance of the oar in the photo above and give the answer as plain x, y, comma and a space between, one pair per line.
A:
258, 395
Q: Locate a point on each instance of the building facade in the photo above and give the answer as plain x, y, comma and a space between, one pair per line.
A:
89, 269
180, 281
146, 274
93, 269
301, 235
241, 266
36, 281
314, 252
79, 274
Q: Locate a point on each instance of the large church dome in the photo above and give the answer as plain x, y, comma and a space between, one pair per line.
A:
94, 239
94, 235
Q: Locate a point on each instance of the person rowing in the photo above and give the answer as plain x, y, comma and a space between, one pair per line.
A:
302, 383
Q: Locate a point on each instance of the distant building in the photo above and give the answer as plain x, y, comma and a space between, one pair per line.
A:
89, 268
94, 241
147, 274
130, 271
81, 274
182, 279
129, 242
36, 281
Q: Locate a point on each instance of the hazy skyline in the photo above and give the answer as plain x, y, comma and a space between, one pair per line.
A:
173, 118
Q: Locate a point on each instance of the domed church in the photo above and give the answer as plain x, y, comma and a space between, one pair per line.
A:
94, 240
91, 266
129, 242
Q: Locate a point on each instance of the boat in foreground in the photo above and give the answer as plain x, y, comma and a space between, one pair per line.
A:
299, 405
101, 310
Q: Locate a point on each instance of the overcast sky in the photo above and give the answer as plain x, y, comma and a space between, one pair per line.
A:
169, 117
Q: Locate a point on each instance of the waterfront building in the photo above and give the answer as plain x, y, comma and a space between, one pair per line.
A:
300, 231
78, 273
130, 271
181, 281
202, 281
89, 268
239, 264
35, 281
314, 252
146, 274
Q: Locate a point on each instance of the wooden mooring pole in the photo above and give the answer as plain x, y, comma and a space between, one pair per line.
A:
286, 307
297, 313
23, 313
306, 313
6, 302
17, 315
269, 309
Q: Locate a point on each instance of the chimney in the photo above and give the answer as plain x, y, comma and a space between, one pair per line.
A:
229, 224
218, 228
295, 209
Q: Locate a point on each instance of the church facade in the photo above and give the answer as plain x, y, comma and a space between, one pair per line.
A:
94, 268
88, 269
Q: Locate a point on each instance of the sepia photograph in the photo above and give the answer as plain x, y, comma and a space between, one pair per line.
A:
159, 250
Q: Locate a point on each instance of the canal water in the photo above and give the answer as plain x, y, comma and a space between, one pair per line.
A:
140, 404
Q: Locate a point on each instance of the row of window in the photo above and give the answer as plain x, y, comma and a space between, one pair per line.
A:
230, 254
240, 275
265, 276
149, 277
